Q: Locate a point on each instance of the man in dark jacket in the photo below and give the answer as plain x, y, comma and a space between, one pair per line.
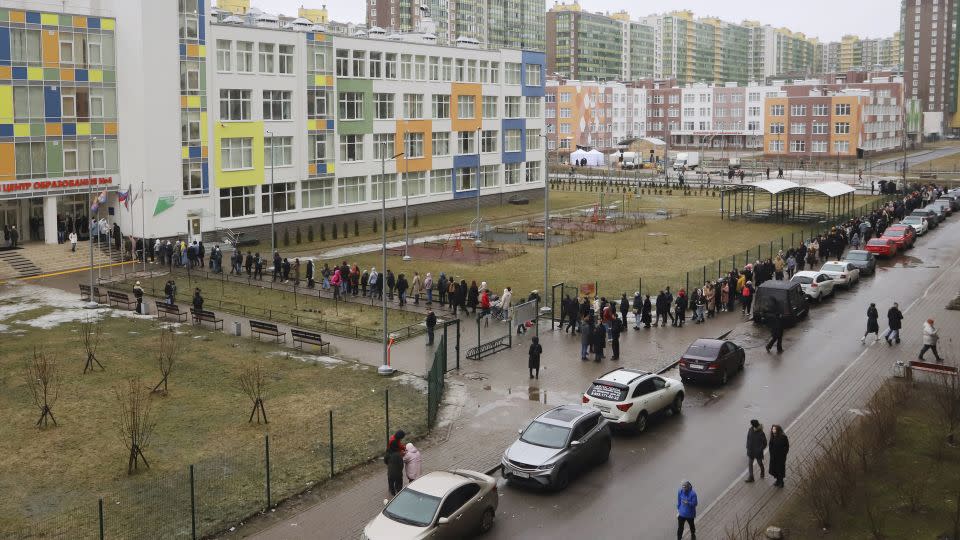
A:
277, 262
401, 289
637, 309
894, 321
394, 461
431, 325
756, 444
616, 325
776, 333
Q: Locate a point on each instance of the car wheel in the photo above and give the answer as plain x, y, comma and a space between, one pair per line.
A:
724, 377
740, 367
677, 405
641, 424
486, 521
562, 479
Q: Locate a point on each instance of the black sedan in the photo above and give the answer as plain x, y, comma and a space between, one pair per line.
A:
711, 359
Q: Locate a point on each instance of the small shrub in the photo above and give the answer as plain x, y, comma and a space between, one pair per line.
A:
374, 224
298, 237
323, 233
310, 233
286, 237
346, 231
356, 228
335, 231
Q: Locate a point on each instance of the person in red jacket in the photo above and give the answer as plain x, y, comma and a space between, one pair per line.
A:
485, 306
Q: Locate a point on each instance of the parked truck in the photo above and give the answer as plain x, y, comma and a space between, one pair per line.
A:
631, 160
686, 161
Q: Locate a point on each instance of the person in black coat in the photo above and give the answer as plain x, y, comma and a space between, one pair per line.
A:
616, 325
776, 332
624, 308
431, 325
599, 341
779, 446
645, 316
637, 309
894, 321
873, 327
197, 300
756, 444
311, 278
533, 360
394, 461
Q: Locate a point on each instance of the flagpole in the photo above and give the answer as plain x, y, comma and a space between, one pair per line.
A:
143, 224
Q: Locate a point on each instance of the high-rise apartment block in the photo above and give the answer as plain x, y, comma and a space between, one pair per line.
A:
496, 24
929, 30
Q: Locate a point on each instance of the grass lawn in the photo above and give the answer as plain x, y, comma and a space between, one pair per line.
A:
349, 319
51, 478
910, 466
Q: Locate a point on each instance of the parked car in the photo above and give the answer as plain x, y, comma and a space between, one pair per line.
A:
933, 218
903, 235
560, 442
918, 223
882, 247
865, 261
778, 296
711, 359
952, 200
945, 205
628, 397
843, 274
441, 504
816, 285
939, 211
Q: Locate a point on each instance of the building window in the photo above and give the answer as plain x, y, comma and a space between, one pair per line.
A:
244, 57
317, 59
490, 107
488, 141
494, 72
351, 148
383, 106
489, 176
533, 171
277, 105
234, 105
511, 107
841, 128
441, 106
319, 147
533, 107
511, 73
776, 110
237, 202
25, 46
266, 58
390, 183
406, 67
317, 193
236, 153
511, 140
190, 77
459, 70
434, 68
533, 139
441, 180
350, 105
413, 145
440, 142
776, 129
414, 183
818, 147
820, 128
511, 174
359, 63
798, 146
28, 103
466, 142
30, 159
390, 66
412, 106
798, 128
192, 178
224, 54
317, 100
842, 109
534, 77
565, 112
446, 70
841, 147
352, 190
284, 196
376, 65
343, 63
465, 107
190, 128
798, 110
383, 146
285, 59
189, 22
281, 149
466, 179
420, 67
821, 109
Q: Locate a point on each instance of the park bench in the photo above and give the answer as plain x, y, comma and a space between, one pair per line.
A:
116, 298
940, 369
98, 295
488, 348
434, 244
164, 309
270, 329
488, 249
311, 338
203, 316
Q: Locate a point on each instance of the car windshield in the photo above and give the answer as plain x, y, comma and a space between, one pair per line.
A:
854, 256
911, 220
833, 268
877, 242
547, 435
412, 508
895, 233
806, 280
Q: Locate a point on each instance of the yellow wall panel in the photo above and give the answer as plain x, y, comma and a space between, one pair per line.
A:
466, 89
35, 74
247, 177
6, 104
83, 128
21, 130
50, 40
108, 24
421, 164
95, 75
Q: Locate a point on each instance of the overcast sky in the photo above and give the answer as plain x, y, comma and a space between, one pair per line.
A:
826, 19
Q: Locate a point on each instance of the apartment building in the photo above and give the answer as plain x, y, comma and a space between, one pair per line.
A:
929, 30
811, 119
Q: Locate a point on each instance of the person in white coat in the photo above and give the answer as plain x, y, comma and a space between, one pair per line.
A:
930, 338
412, 462
73, 241
504, 303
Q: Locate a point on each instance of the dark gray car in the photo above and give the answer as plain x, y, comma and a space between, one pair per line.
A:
864, 260
557, 444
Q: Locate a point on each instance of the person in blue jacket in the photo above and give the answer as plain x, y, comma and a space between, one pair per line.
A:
686, 509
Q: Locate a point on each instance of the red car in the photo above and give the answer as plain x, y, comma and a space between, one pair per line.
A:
903, 235
882, 246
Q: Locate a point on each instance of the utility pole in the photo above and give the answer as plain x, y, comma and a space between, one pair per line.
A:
385, 368
273, 195
92, 304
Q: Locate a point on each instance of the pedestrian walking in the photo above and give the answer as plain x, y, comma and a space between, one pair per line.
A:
894, 323
930, 337
873, 327
394, 462
616, 326
686, 509
412, 462
533, 358
73, 241
776, 333
138, 294
415, 287
779, 446
428, 287
431, 325
756, 444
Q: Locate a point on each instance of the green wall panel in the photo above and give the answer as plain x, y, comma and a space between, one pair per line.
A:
54, 158
356, 127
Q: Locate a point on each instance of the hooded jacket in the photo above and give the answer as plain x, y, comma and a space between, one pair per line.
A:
930, 334
686, 502
412, 462
756, 441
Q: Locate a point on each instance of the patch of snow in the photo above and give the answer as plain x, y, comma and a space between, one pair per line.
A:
345, 251
328, 361
417, 382
17, 298
4, 328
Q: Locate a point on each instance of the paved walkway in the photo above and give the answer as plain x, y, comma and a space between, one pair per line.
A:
760, 502
35, 258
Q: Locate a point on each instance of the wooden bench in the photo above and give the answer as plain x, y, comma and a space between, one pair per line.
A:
116, 298
164, 309
488, 348
311, 338
257, 328
98, 295
940, 369
488, 249
203, 316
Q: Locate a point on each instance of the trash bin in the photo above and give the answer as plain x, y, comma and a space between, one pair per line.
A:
899, 369
144, 310
236, 328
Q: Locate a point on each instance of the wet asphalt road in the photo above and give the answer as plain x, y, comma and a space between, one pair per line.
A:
634, 494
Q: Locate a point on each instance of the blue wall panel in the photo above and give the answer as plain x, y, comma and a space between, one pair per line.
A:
513, 123
51, 98
471, 161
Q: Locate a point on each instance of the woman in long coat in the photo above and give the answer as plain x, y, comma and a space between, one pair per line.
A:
778, 446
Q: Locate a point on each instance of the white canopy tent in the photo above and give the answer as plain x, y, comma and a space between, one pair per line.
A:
577, 155
595, 158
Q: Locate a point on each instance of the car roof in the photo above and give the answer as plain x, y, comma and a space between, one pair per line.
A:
857, 251
807, 273
773, 284
912, 218
879, 241
833, 262
565, 415
898, 226
710, 343
623, 375
439, 483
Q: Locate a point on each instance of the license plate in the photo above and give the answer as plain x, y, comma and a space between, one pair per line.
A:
694, 366
520, 474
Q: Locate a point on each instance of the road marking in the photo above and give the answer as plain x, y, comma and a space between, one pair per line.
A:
816, 400
64, 272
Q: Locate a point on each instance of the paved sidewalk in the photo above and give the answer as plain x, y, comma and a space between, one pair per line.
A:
760, 502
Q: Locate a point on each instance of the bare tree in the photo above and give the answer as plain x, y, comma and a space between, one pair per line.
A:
43, 380
167, 350
135, 423
946, 396
253, 383
90, 332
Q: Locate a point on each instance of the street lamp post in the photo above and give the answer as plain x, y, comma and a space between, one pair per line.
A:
406, 204
92, 304
477, 240
546, 221
273, 199
384, 369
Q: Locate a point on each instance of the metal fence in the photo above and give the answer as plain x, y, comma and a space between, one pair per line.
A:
435, 381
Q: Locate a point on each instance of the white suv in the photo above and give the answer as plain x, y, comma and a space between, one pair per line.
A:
842, 273
628, 397
816, 285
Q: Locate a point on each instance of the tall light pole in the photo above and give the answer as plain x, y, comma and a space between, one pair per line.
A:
273, 199
546, 220
92, 304
384, 369
477, 241
406, 204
